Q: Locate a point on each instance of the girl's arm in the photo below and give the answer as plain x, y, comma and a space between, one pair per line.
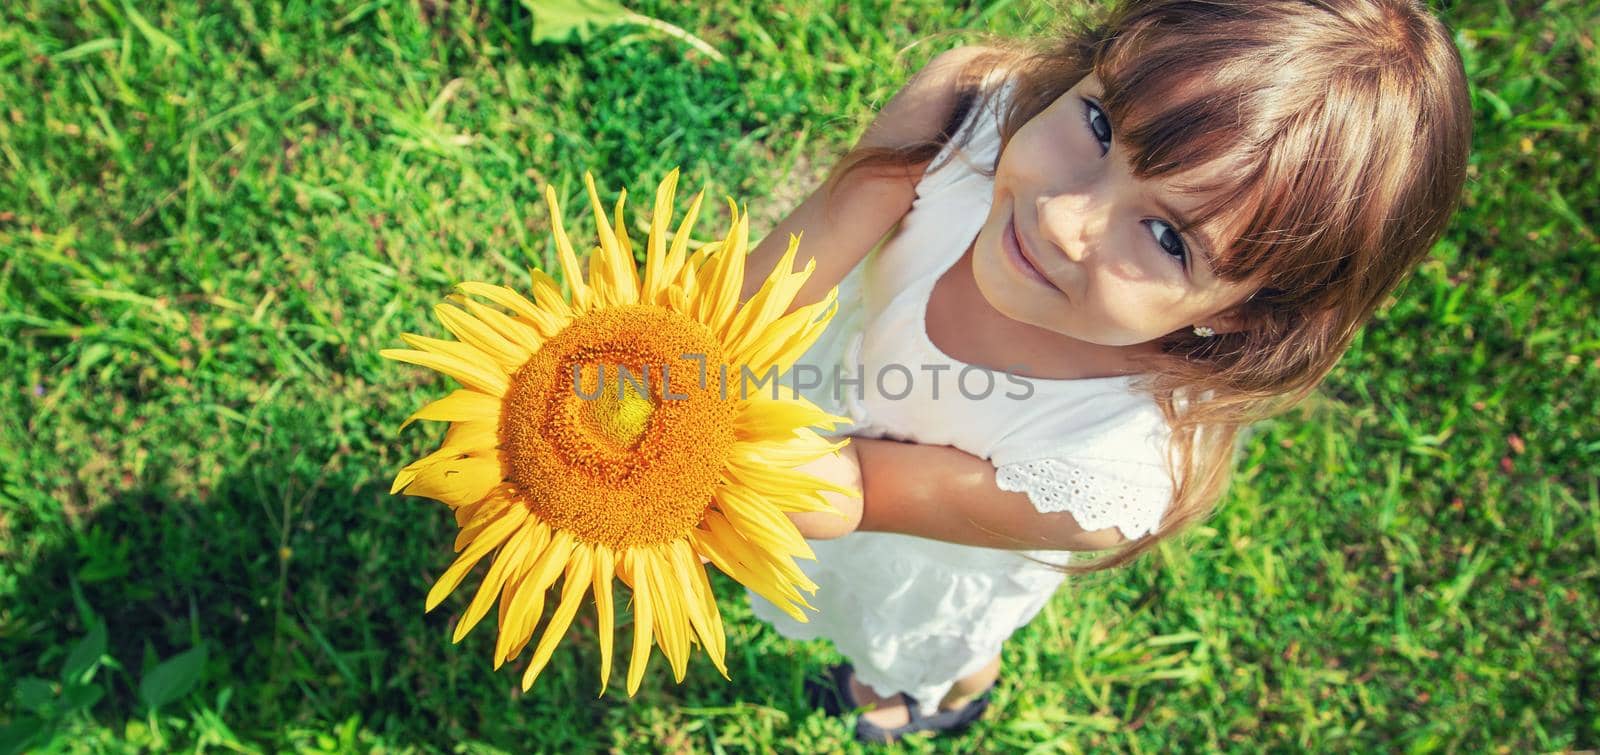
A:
846, 217
941, 493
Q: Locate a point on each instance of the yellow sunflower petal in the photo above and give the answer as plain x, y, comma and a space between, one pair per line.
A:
785, 577
612, 272
690, 576
706, 545
502, 567
410, 471
542, 318
771, 301
719, 282
718, 646
673, 266
491, 537
582, 297
514, 598
671, 626
604, 571
789, 453
759, 580
768, 419
599, 285
463, 405
457, 482
788, 337
547, 292
482, 511
540, 577
470, 374
731, 283
465, 352
463, 439
494, 507
802, 502
500, 295
471, 436
763, 479
576, 584
701, 257
655, 243
760, 523
620, 226
522, 334
480, 336
643, 623
678, 298
775, 578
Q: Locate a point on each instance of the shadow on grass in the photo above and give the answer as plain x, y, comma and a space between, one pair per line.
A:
306, 582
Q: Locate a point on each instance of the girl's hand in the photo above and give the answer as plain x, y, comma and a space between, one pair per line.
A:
842, 468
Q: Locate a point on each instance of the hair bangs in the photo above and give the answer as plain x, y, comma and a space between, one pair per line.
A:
1306, 155
1207, 124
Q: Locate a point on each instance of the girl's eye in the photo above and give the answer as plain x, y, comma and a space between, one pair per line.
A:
1169, 241
1099, 125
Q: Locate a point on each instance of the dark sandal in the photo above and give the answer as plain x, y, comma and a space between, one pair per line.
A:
944, 722
833, 695
836, 699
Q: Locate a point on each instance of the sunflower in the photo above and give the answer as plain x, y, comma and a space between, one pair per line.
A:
600, 435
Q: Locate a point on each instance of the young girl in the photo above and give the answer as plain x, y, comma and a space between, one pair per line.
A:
1106, 259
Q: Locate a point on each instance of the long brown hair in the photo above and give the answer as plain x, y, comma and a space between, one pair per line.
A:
1350, 123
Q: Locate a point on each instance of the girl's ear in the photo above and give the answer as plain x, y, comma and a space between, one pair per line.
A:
1234, 318
1230, 320
1224, 322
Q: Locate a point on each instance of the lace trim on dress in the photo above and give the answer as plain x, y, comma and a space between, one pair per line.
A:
1096, 501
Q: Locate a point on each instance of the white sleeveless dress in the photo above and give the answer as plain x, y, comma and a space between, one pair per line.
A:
911, 614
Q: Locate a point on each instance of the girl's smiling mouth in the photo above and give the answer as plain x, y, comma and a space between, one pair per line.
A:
1019, 257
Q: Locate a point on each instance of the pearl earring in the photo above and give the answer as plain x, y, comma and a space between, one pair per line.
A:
1204, 331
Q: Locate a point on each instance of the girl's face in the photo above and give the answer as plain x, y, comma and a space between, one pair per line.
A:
1075, 244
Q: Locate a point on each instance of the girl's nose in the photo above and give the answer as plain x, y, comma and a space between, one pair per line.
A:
1071, 222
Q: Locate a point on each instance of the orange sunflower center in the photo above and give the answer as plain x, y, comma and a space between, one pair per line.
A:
612, 433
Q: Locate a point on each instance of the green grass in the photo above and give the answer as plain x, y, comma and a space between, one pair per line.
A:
214, 215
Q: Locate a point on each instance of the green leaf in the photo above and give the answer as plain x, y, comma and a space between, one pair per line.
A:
81, 697
86, 654
17, 736
86, 49
173, 678
559, 20
36, 694
154, 36
85, 611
